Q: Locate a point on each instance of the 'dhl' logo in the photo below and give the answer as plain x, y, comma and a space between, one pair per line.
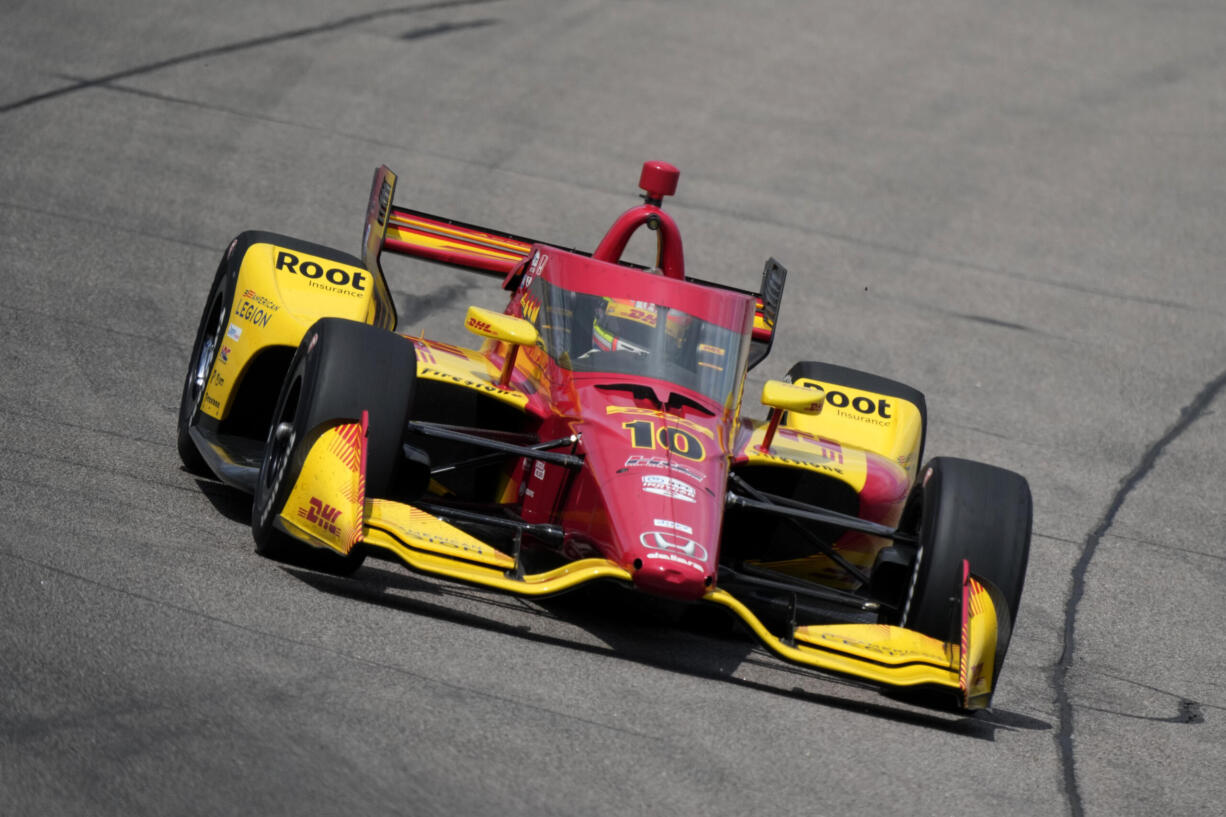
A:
323, 515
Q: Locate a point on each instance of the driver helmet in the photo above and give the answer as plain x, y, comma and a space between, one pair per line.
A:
624, 326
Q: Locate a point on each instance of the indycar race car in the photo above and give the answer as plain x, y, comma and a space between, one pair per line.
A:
596, 434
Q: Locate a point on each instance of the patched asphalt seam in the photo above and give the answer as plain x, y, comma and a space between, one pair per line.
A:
1064, 736
242, 45
444, 28
413, 308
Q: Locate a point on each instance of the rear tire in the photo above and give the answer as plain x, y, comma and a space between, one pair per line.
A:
341, 369
959, 510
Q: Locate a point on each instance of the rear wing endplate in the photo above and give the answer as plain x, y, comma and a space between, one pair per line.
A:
766, 314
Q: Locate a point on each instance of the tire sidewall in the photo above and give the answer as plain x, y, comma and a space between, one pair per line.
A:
967, 510
341, 368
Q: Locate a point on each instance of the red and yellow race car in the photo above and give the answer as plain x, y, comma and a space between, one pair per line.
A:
596, 433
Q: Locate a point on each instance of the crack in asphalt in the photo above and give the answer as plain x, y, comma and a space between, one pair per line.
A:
245, 45
1189, 711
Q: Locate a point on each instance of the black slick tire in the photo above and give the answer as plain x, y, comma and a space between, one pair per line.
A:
341, 368
959, 510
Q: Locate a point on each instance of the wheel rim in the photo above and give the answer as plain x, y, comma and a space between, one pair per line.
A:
275, 463
208, 353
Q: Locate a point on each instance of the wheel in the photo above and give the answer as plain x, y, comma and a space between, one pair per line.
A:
210, 335
961, 509
341, 368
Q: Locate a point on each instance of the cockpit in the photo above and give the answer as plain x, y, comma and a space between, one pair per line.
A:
693, 336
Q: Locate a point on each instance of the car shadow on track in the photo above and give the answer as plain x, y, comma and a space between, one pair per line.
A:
230, 502
693, 641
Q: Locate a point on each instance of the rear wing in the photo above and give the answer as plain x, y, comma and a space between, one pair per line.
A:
421, 235
409, 232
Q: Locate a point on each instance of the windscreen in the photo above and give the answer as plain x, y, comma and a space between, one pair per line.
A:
595, 333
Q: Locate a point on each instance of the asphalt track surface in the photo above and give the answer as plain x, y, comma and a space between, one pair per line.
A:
1015, 207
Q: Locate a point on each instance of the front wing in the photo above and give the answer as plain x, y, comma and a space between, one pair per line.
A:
327, 507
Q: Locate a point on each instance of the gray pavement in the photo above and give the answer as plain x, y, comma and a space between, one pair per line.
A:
1016, 208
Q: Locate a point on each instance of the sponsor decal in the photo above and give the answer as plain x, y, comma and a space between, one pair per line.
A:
480, 325
641, 461
671, 525
535, 267
212, 402
824, 466
234, 332
267, 303
333, 279
254, 315
875, 410
432, 530
424, 348
224, 354
437, 374
867, 646
538, 470
218, 380
670, 542
673, 557
321, 515
669, 487
830, 450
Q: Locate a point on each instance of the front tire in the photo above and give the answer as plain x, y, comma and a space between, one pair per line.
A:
210, 335
341, 369
959, 510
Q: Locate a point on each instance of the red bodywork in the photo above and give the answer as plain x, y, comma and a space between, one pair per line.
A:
650, 496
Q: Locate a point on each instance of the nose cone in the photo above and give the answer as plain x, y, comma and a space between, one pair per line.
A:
673, 565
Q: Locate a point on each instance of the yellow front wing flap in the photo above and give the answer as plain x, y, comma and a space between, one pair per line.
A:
883, 654
426, 543
327, 507
895, 656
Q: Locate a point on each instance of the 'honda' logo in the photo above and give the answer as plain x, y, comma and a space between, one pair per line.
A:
673, 543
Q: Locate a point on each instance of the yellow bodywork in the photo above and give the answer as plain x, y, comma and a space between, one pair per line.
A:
280, 293
894, 656
885, 425
325, 506
469, 368
800, 449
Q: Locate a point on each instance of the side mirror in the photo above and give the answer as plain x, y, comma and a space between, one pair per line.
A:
506, 328
783, 397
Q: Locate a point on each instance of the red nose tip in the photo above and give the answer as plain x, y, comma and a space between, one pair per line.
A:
662, 578
659, 179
